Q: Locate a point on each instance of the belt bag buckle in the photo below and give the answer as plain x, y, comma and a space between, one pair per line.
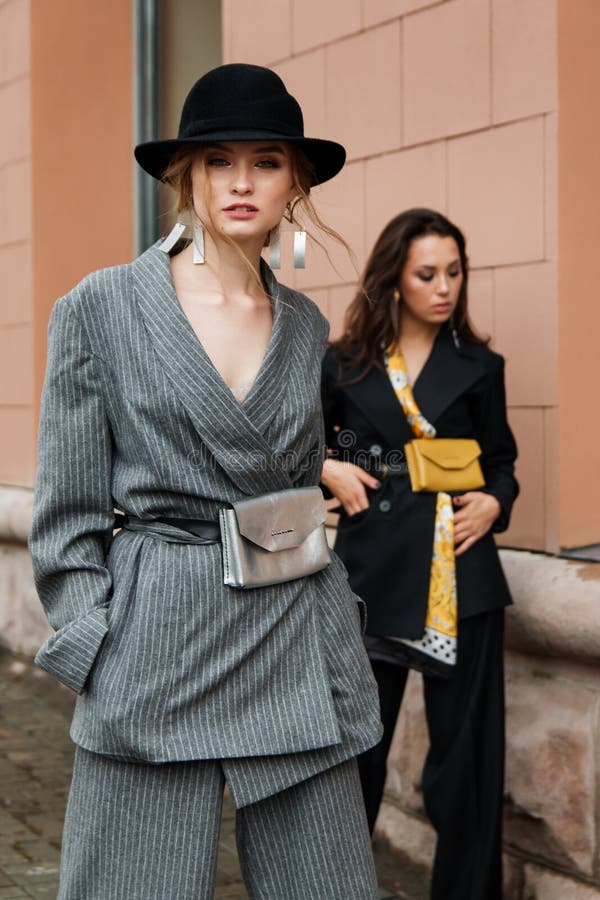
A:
274, 538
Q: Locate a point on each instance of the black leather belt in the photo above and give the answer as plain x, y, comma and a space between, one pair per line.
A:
204, 529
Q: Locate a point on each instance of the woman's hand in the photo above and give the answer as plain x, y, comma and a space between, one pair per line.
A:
347, 482
474, 515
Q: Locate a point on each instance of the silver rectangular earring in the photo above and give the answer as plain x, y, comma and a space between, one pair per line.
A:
299, 249
275, 248
198, 246
172, 237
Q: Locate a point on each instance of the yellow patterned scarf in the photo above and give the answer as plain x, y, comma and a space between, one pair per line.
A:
441, 623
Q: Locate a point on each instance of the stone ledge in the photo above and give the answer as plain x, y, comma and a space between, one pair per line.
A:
557, 606
23, 625
16, 505
551, 769
541, 884
557, 601
406, 834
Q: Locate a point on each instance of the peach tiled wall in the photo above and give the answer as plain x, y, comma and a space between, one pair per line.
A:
579, 306
16, 343
82, 136
65, 183
450, 104
446, 103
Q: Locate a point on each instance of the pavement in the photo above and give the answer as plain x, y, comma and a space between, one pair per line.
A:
35, 770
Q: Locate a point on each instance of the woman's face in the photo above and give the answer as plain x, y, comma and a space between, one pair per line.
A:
431, 279
246, 184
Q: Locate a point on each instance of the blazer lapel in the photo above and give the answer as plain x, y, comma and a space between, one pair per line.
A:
266, 394
234, 438
375, 397
446, 375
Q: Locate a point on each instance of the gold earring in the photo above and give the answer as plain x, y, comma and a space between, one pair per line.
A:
397, 295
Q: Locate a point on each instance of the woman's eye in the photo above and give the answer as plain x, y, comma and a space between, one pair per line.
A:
268, 164
217, 161
429, 276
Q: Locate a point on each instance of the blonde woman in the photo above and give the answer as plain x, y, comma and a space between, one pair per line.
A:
176, 386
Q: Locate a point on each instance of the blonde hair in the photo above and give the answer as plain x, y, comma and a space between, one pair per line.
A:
178, 175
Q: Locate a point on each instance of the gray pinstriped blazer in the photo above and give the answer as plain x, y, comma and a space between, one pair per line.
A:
169, 663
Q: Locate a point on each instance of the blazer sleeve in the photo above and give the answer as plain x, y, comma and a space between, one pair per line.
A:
499, 450
73, 510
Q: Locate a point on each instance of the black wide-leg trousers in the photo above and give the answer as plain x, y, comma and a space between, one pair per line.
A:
463, 775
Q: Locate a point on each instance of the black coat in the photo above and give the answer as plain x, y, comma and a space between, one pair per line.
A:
387, 548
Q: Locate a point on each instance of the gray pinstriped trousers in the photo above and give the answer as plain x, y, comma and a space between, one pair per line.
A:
144, 832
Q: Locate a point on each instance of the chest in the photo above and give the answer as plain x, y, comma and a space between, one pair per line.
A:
415, 357
235, 337
162, 386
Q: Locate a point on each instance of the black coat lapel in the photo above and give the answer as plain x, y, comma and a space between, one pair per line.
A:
375, 397
447, 373
234, 434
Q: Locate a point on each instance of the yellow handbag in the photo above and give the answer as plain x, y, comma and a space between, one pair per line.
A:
444, 464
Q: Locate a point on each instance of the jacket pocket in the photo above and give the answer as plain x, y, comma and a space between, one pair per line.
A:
69, 654
347, 521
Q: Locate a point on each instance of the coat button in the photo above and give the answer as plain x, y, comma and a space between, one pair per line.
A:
385, 505
375, 450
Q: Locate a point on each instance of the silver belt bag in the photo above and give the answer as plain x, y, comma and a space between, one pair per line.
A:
274, 538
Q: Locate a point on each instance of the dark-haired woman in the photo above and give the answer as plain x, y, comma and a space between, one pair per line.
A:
178, 386
409, 364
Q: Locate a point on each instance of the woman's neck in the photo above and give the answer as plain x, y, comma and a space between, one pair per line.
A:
224, 271
416, 333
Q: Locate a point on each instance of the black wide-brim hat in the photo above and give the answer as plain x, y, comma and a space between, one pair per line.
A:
239, 102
